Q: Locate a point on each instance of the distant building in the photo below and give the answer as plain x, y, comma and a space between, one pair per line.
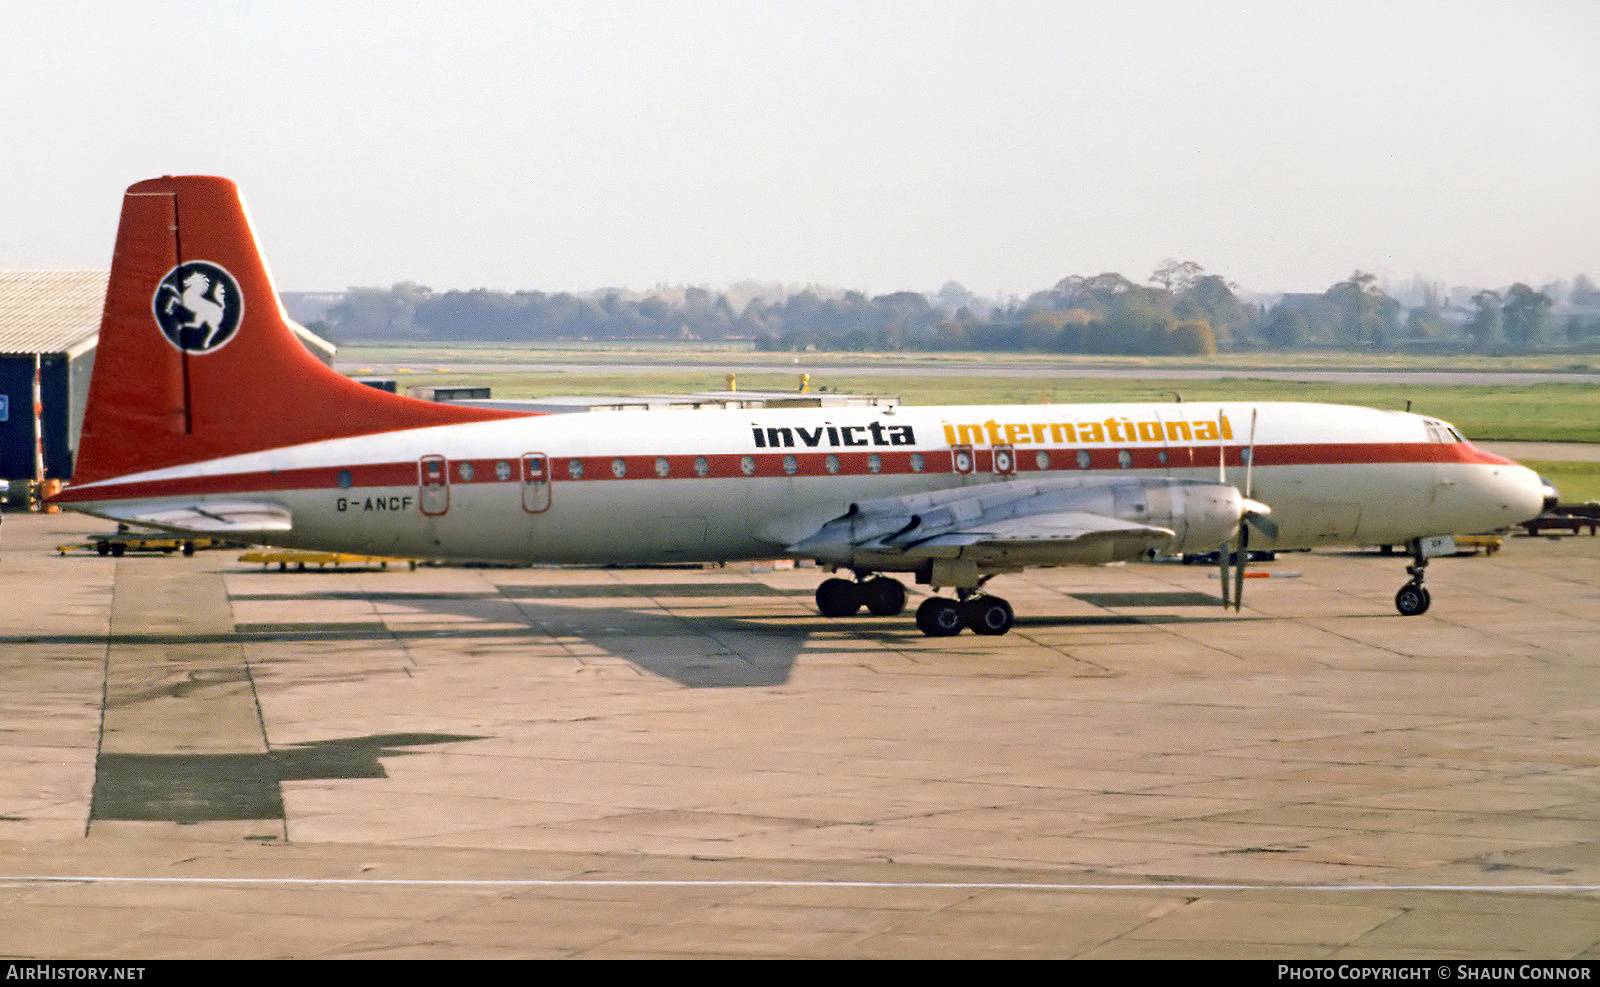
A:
52, 317
449, 393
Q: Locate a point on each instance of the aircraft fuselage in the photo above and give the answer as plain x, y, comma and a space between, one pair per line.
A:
723, 485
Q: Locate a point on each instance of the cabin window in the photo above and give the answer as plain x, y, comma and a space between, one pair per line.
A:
832, 463
346, 481
701, 466
1124, 458
875, 463
791, 465
747, 465
917, 462
464, 470
502, 470
1041, 460
662, 466
575, 468
619, 469
1083, 459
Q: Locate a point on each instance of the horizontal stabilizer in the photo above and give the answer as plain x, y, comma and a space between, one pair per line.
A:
227, 519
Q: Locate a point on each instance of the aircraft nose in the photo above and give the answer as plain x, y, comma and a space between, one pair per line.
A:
1552, 496
1527, 494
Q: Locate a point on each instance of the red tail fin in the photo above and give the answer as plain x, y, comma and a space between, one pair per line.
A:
196, 359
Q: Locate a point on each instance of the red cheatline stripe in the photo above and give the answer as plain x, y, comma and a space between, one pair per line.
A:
777, 465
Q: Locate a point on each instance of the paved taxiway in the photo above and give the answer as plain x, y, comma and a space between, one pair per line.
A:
200, 758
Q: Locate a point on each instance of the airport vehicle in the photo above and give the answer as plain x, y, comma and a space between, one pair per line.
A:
207, 417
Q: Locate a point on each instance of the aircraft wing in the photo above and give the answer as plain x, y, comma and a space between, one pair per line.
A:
238, 518
1056, 521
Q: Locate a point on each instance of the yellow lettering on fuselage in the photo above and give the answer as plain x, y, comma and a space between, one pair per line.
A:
1117, 430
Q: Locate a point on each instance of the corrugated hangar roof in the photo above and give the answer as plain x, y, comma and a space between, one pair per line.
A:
50, 311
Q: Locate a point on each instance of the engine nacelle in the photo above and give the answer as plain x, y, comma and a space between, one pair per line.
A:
1204, 515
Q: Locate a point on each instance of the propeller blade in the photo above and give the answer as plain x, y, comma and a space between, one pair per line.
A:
1222, 452
1222, 574
1252, 514
1242, 556
1262, 523
1250, 459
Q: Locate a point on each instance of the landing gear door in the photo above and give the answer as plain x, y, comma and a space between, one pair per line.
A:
433, 483
535, 482
1437, 545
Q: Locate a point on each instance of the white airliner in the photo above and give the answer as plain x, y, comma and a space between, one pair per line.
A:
207, 415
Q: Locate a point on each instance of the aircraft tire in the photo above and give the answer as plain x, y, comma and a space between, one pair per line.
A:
884, 597
988, 615
838, 598
939, 617
1412, 600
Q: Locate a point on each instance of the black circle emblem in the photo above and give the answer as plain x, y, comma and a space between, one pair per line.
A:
198, 306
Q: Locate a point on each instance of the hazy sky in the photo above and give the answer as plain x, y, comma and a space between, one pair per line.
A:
856, 144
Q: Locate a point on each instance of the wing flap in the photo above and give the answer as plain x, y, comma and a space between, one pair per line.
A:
1060, 527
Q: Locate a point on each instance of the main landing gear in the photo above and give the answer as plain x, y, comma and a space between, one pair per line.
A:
1414, 598
936, 617
985, 614
882, 596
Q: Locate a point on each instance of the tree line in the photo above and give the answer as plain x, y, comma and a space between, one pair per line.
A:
1179, 309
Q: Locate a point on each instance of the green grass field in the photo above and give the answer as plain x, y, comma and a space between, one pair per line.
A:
1553, 412
1578, 482
714, 354
1550, 412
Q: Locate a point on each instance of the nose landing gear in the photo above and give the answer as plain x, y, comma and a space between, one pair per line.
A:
1414, 598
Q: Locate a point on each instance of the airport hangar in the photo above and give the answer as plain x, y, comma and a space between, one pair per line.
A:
49, 327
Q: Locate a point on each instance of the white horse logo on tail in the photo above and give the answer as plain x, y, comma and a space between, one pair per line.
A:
198, 306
